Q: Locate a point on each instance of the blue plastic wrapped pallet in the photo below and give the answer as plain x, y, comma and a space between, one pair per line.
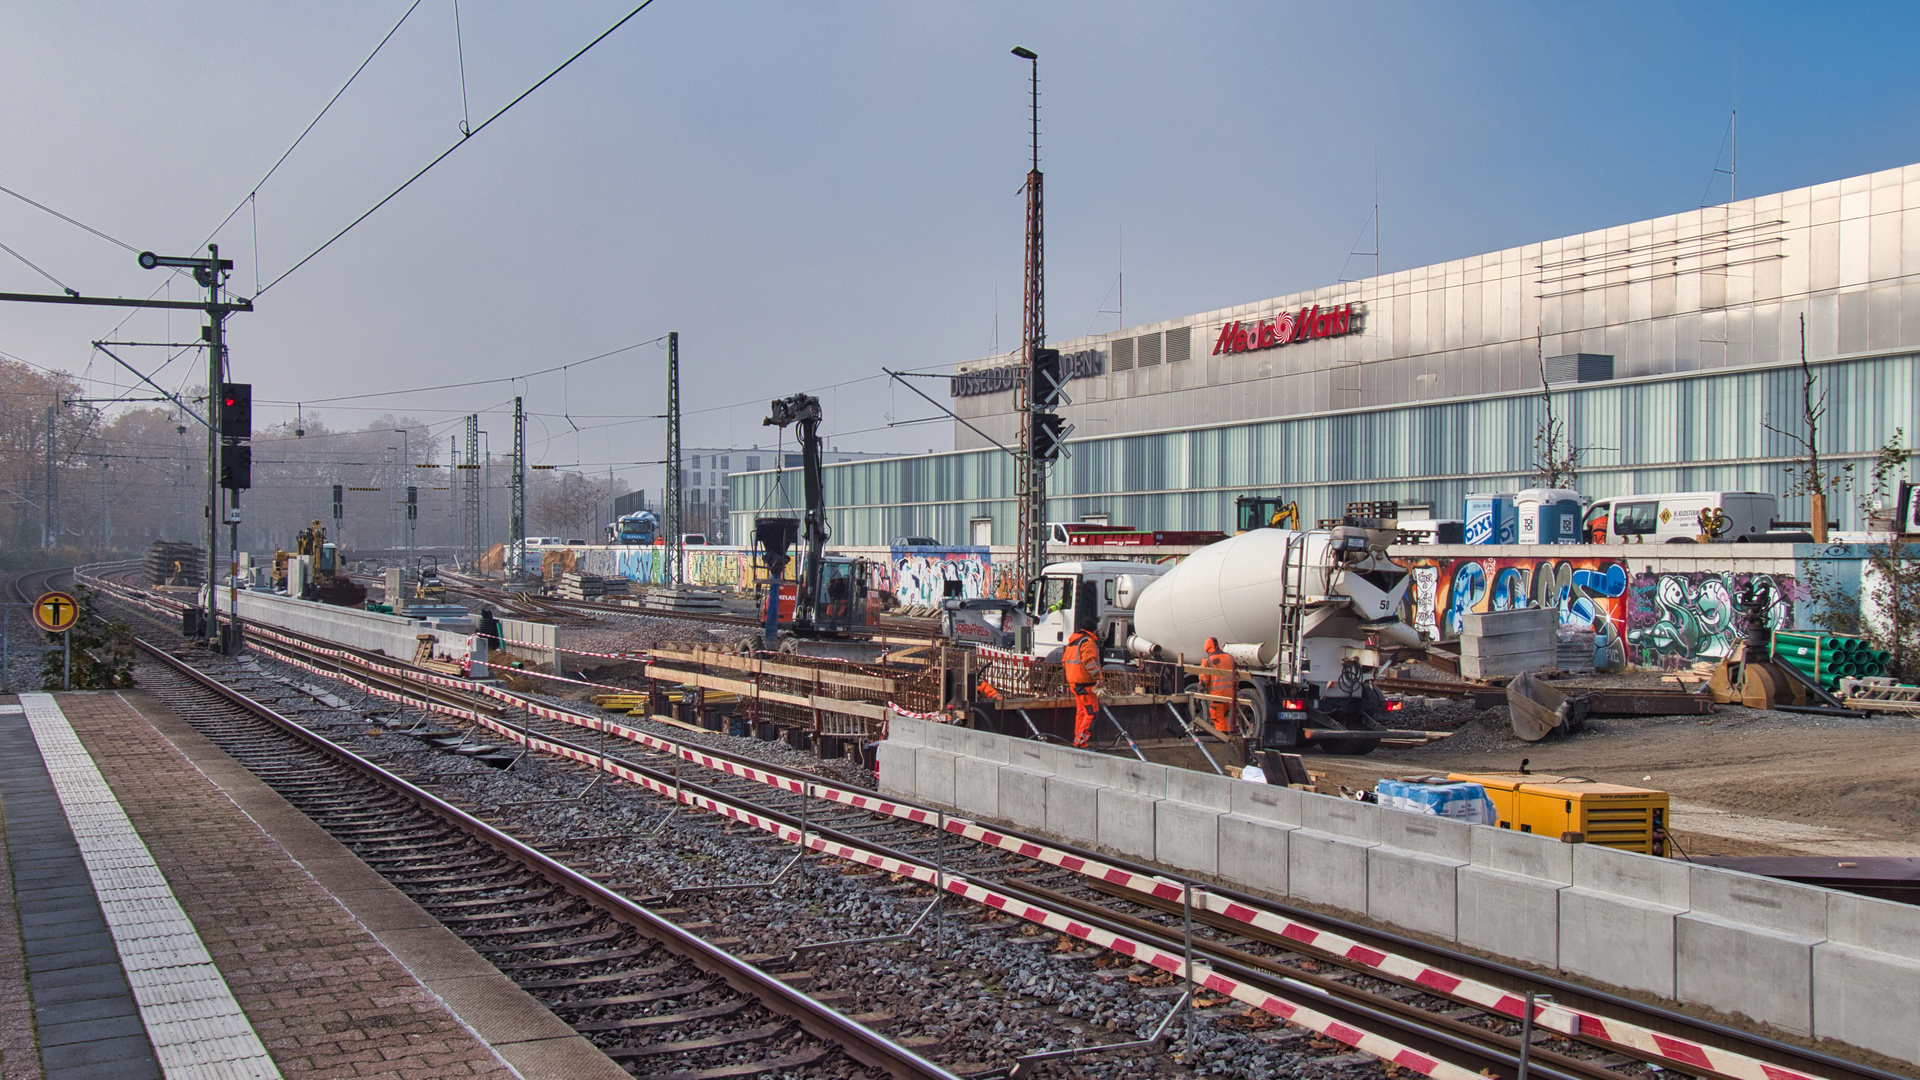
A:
1459, 801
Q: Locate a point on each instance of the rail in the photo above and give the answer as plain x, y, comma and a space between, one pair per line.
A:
860, 1043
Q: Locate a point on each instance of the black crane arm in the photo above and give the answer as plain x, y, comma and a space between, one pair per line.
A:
804, 410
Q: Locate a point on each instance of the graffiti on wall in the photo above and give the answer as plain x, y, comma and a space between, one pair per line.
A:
1679, 618
918, 577
1590, 594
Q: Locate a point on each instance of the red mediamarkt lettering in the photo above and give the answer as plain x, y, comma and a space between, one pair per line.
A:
1309, 322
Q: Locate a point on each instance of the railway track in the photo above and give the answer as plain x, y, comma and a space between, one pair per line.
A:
653, 996
1450, 1031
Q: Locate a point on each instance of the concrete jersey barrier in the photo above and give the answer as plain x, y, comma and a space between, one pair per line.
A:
1808, 960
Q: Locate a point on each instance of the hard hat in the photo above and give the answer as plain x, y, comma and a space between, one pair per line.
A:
1213, 645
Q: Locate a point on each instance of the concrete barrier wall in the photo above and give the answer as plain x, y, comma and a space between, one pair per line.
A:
392, 635
1808, 960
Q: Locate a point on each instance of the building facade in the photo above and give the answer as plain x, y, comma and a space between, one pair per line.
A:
1669, 348
703, 482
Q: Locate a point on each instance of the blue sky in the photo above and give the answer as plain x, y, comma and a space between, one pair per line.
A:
810, 191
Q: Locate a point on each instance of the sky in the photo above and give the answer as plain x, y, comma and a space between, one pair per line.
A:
810, 192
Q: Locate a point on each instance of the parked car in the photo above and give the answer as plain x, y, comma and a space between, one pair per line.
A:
915, 541
576, 543
693, 539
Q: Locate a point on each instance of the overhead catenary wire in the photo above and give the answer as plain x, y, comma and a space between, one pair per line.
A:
475, 382
70, 221
36, 269
444, 154
304, 132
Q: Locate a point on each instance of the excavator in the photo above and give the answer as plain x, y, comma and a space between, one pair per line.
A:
832, 596
328, 583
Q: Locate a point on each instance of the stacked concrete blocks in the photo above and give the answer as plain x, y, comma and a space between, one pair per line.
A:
1866, 975
1746, 943
1255, 836
1616, 920
1186, 823
1509, 894
1808, 960
1327, 855
1500, 643
1412, 876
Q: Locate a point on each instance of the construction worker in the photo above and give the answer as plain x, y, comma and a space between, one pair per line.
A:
1082, 660
1219, 682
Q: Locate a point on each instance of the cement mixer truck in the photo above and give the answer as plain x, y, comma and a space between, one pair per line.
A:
1303, 614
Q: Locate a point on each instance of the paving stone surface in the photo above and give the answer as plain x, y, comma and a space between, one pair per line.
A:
327, 999
66, 1012
18, 1058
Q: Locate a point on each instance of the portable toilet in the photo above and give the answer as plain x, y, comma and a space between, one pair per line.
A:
1548, 516
1490, 518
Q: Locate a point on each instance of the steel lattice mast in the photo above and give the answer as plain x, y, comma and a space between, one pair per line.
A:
470, 484
1033, 336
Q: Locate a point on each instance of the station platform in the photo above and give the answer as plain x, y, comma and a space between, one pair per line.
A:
171, 916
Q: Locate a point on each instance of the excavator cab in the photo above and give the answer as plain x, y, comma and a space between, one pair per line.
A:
841, 602
1264, 512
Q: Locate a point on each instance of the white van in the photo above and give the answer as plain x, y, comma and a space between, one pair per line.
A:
1680, 517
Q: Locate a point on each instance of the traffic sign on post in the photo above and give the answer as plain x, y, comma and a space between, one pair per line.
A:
56, 612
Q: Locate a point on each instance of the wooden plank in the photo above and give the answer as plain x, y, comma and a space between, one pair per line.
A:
785, 671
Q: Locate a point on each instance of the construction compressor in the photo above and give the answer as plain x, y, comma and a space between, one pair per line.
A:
1303, 614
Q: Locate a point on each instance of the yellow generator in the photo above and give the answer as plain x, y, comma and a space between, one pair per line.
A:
1628, 818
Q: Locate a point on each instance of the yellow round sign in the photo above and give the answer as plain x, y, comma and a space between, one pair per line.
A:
56, 612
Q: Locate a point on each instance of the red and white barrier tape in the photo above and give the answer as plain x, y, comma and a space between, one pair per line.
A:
1173, 963
1558, 1018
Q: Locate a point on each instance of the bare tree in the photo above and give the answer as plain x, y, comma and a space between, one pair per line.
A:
1811, 476
1556, 461
569, 506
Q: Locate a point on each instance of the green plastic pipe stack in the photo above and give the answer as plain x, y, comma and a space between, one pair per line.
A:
1828, 658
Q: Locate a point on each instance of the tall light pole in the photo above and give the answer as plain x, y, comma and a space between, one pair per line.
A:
1032, 528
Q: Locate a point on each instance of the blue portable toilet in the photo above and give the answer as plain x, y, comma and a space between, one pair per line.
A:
1548, 516
1491, 518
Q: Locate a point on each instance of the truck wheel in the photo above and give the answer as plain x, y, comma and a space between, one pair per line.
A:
1249, 712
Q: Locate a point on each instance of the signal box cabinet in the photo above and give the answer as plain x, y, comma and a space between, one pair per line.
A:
1611, 815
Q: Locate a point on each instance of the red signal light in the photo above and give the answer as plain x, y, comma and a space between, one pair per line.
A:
1293, 705
1396, 706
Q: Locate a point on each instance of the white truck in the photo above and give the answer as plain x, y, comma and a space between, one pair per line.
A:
1303, 615
1680, 517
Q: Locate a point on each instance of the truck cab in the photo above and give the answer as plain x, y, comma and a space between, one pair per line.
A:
1117, 583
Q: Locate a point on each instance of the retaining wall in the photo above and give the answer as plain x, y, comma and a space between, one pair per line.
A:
391, 635
1808, 960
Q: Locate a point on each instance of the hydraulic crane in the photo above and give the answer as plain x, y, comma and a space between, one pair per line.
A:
831, 597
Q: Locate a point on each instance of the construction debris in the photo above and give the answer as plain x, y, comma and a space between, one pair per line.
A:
590, 586
174, 562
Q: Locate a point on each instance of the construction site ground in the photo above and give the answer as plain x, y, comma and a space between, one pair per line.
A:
1742, 781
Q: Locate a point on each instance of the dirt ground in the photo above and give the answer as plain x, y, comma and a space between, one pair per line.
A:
1742, 781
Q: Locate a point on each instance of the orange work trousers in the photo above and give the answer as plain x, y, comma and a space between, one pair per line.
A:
1086, 706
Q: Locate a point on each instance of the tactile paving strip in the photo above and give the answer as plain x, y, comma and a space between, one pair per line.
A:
197, 1029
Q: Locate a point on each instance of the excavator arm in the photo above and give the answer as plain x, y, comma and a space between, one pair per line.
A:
804, 411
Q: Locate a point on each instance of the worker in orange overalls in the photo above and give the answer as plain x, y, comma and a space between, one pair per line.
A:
1082, 660
1219, 681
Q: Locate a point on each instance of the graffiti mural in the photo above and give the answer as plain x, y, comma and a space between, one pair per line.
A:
919, 576
1677, 619
1590, 594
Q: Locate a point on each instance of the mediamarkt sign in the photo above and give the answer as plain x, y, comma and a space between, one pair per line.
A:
1310, 322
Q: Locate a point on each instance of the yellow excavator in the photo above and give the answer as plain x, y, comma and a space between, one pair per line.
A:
329, 583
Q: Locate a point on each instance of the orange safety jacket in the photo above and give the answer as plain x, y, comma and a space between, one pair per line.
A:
986, 690
1219, 682
1082, 658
